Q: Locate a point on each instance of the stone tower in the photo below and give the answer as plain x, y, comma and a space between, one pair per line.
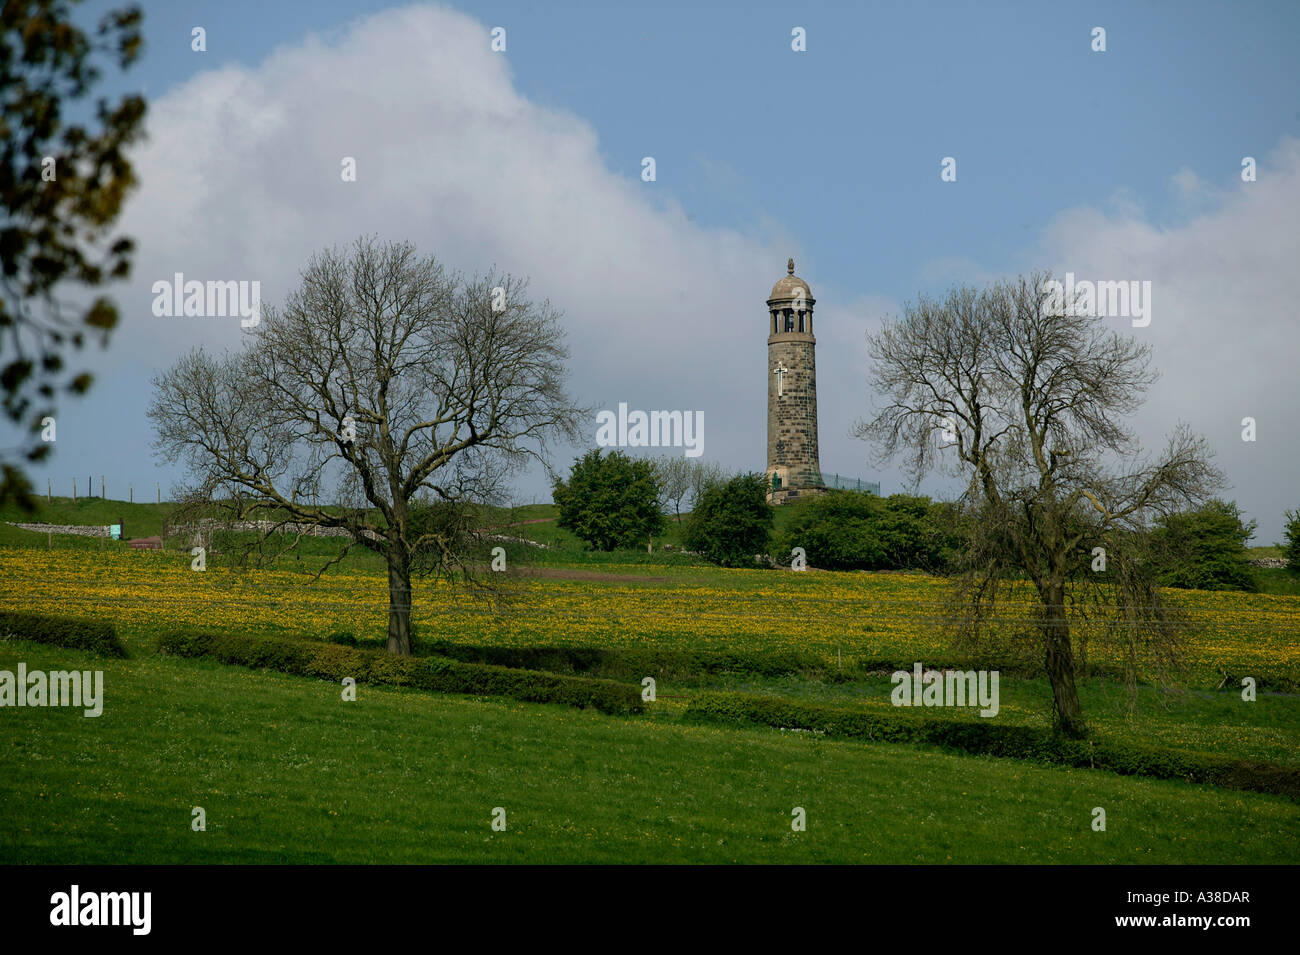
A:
793, 468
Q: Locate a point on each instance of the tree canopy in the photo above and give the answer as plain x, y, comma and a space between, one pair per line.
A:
610, 501
62, 186
732, 521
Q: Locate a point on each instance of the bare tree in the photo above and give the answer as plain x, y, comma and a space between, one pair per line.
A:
410, 392
674, 478
1026, 398
702, 475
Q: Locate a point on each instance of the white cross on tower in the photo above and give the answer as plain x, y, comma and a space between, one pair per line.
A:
780, 372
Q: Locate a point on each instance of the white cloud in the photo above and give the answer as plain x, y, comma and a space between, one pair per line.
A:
1190, 188
241, 180
1225, 321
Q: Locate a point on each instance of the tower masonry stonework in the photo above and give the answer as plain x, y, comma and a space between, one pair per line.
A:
793, 468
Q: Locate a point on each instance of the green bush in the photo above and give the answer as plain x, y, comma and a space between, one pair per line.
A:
610, 501
997, 739
333, 662
75, 634
1204, 549
630, 663
853, 530
1291, 547
732, 522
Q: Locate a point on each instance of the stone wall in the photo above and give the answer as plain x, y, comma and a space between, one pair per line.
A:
207, 525
82, 530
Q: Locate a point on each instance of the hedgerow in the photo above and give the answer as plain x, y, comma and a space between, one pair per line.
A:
998, 739
75, 634
436, 674
628, 663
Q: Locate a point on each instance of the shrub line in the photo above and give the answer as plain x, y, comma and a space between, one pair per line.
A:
434, 674
70, 632
998, 739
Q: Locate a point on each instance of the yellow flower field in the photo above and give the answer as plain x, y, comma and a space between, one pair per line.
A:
859, 615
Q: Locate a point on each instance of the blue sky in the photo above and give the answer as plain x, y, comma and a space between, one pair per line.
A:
842, 143
1127, 160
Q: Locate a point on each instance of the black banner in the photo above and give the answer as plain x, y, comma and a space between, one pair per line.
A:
209, 904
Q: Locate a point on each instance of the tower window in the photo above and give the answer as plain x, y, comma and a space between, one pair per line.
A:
789, 320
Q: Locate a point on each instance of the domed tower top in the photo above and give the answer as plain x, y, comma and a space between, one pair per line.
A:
790, 287
790, 308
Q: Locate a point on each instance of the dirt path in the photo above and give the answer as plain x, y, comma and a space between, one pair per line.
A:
565, 573
535, 520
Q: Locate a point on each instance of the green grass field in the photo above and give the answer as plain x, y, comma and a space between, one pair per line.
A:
289, 772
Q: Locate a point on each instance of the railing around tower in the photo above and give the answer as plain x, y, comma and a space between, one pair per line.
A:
842, 482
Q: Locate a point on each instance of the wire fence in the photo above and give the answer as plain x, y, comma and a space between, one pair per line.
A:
842, 482
93, 489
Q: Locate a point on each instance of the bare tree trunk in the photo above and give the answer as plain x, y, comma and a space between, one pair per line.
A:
1059, 663
399, 606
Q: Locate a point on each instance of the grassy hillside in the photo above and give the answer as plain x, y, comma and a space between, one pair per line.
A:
531, 522
288, 772
141, 520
